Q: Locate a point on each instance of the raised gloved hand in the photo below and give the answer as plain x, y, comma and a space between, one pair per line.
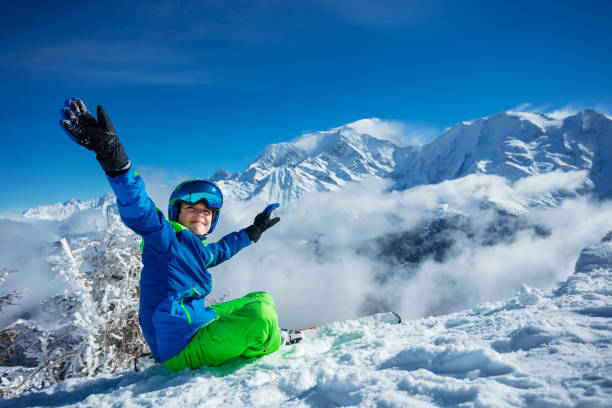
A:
98, 136
262, 222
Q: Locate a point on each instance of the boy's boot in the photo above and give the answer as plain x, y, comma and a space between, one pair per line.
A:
290, 336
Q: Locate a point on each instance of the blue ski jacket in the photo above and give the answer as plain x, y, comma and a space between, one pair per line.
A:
174, 280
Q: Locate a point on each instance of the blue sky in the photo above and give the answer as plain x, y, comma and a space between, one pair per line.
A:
193, 86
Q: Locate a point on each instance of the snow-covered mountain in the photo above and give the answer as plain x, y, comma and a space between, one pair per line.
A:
509, 144
62, 211
514, 145
320, 161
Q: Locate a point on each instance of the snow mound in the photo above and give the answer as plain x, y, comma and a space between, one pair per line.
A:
596, 256
540, 348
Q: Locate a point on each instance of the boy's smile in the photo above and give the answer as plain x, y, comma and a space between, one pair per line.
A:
197, 217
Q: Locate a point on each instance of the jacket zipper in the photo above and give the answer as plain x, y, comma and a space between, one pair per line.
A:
183, 306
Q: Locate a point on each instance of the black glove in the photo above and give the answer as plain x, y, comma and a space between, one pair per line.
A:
262, 222
98, 136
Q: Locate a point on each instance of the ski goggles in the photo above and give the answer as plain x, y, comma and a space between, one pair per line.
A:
194, 191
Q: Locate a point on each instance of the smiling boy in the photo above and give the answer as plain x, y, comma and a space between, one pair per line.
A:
197, 217
179, 328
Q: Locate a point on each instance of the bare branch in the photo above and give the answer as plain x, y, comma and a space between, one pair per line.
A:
9, 299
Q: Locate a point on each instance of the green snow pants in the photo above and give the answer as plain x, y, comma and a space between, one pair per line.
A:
246, 327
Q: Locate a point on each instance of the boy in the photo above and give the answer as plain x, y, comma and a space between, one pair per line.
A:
179, 329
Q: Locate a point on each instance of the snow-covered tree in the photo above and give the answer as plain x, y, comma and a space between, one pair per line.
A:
96, 318
8, 298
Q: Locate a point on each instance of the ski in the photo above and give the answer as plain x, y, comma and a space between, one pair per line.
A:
290, 336
385, 317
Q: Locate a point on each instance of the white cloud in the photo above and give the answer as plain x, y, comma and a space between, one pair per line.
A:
399, 132
605, 109
323, 260
558, 113
24, 246
529, 107
554, 181
107, 61
319, 262
573, 108
419, 133
522, 107
382, 13
563, 112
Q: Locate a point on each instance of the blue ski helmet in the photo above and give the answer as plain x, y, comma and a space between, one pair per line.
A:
193, 191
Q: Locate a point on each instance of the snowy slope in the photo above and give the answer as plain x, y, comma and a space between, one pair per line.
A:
540, 348
509, 144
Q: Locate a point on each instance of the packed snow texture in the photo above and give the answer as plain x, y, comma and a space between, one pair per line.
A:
540, 348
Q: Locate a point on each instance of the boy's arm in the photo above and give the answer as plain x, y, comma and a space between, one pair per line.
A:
139, 213
230, 244
225, 248
136, 209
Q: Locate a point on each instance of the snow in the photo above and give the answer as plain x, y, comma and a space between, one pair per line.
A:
320, 161
539, 348
515, 312
541, 120
310, 142
482, 165
510, 144
314, 143
64, 211
384, 130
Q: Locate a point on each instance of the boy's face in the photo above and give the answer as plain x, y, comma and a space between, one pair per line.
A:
197, 217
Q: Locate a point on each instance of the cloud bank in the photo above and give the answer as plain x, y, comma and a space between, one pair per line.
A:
321, 262
338, 255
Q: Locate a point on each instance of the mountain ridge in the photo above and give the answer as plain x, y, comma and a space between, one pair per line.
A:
509, 144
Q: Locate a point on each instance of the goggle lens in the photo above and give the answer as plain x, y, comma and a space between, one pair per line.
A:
213, 201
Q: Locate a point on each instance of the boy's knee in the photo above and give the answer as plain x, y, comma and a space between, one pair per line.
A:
262, 297
265, 312
261, 316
